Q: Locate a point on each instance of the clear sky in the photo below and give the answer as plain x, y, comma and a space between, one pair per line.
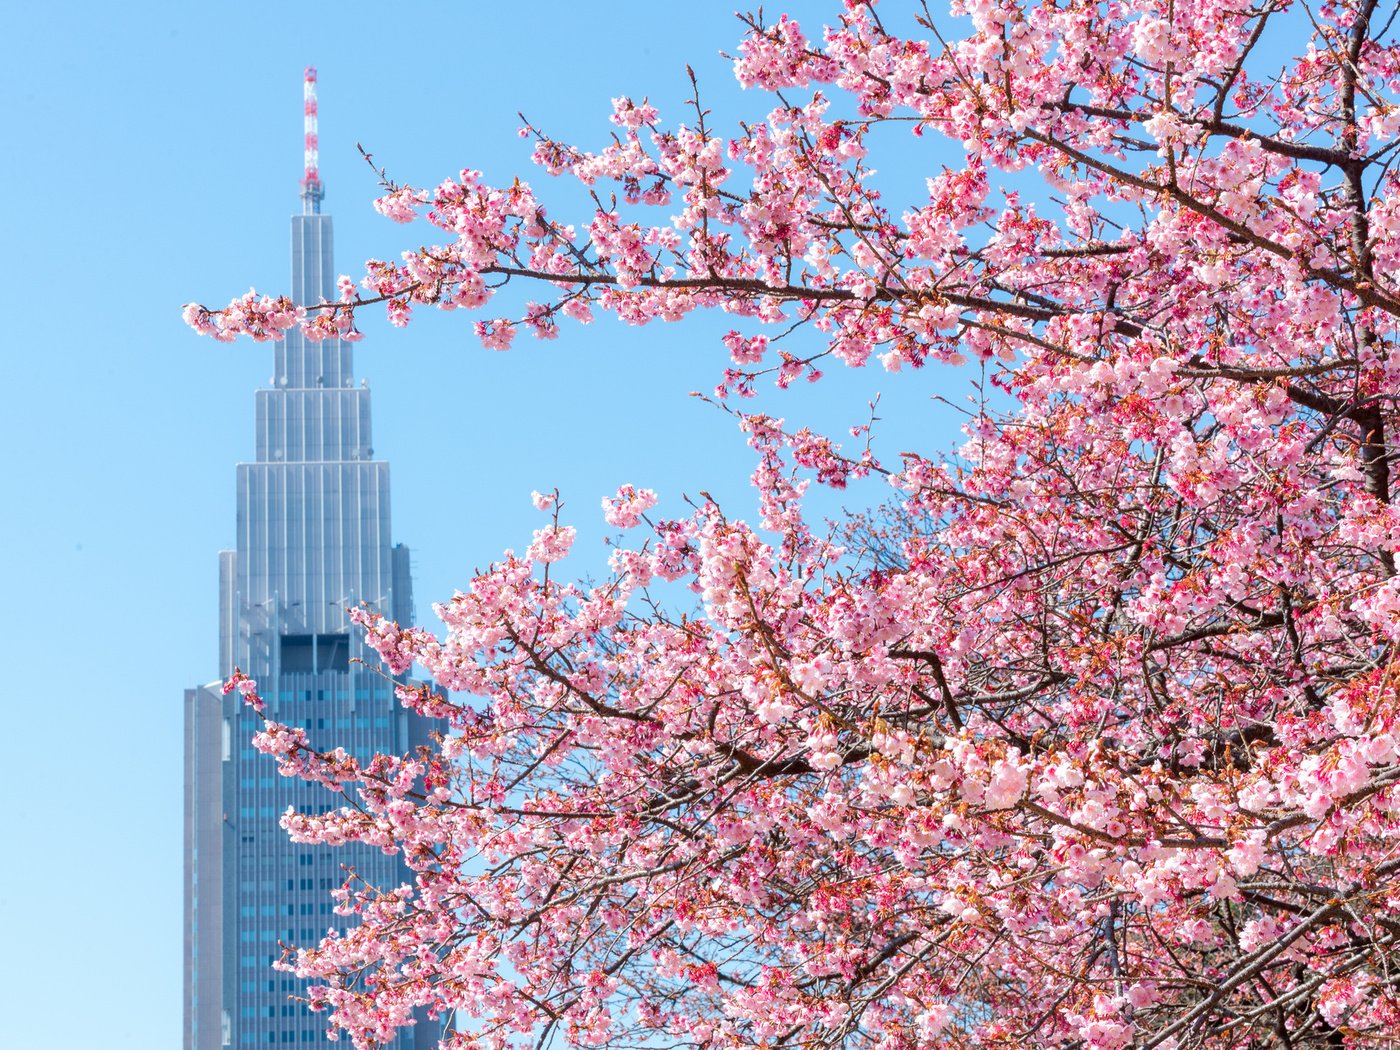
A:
151, 154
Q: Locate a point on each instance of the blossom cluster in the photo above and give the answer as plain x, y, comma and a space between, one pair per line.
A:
1091, 736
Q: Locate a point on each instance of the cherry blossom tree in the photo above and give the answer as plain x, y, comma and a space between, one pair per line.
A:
1090, 737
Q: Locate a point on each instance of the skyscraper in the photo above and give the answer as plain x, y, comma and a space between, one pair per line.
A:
313, 539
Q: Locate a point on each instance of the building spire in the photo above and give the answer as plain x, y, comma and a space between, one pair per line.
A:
311, 189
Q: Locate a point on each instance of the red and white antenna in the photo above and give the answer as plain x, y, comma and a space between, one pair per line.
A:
311, 190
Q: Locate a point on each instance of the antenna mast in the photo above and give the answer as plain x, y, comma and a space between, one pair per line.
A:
311, 189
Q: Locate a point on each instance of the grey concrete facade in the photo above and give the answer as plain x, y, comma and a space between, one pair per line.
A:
313, 539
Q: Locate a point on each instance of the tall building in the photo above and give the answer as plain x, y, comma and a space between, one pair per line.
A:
313, 539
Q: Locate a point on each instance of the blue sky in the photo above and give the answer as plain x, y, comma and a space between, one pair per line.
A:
152, 154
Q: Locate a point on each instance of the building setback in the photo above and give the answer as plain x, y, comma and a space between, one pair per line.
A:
313, 540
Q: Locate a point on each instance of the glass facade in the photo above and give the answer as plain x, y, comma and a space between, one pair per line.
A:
313, 539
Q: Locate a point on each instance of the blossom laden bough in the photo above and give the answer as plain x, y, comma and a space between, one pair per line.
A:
1092, 737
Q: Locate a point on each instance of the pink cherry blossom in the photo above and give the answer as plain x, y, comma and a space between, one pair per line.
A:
1087, 737
625, 510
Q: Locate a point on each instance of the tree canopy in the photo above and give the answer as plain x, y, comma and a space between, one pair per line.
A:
1089, 739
